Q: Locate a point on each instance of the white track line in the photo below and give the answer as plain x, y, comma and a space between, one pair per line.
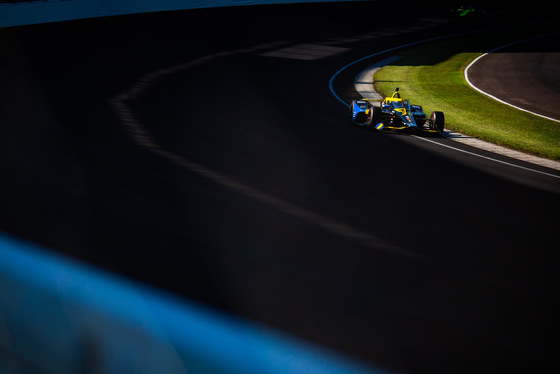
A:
366, 76
487, 158
473, 142
494, 97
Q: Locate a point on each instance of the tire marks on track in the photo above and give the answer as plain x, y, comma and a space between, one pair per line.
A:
141, 136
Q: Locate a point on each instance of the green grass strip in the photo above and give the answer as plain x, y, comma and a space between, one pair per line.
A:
432, 75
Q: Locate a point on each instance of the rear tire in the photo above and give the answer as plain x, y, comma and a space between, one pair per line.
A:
438, 122
352, 113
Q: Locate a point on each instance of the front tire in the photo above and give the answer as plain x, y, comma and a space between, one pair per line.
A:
438, 122
374, 117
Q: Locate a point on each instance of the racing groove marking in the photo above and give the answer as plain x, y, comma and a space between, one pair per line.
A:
305, 51
142, 137
550, 164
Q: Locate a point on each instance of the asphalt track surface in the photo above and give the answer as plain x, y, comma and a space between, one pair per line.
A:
526, 75
217, 167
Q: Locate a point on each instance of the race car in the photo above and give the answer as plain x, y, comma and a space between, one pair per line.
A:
396, 114
468, 11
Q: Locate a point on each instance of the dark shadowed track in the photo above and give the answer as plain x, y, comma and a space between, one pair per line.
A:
229, 174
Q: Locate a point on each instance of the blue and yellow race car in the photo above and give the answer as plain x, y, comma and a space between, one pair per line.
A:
396, 114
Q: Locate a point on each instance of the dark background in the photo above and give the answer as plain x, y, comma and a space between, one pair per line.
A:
448, 267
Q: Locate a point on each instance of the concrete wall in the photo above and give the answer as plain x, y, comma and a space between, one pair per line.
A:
61, 316
25, 13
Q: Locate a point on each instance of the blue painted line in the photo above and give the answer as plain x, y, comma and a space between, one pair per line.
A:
331, 81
